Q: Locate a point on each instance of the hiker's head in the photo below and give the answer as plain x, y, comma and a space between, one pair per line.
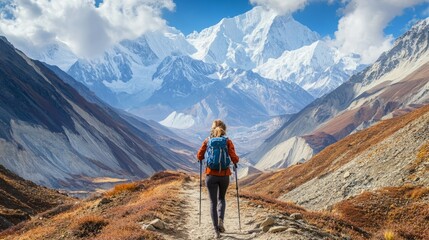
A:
218, 128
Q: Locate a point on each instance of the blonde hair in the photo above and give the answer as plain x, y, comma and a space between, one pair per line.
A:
218, 128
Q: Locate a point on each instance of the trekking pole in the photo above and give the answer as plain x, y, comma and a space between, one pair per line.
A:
201, 169
238, 197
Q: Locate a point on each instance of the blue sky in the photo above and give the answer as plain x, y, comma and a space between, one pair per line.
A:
364, 27
320, 16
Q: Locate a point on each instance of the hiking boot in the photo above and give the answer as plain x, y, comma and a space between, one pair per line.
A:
216, 234
220, 226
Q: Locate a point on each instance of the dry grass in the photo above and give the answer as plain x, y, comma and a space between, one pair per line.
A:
331, 158
88, 226
20, 199
329, 222
119, 219
389, 235
423, 154
121, 188
416, 166
405, 210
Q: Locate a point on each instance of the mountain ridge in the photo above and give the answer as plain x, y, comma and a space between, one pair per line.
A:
55, 137
368, 96
124, 75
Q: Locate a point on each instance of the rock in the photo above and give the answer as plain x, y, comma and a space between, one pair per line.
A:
259, 206
269, 221
149, 227
250, 222
104, 201
346, 174
296, 216
293, 225
266, 228
256, 230
292, 230
158, 224
277, 229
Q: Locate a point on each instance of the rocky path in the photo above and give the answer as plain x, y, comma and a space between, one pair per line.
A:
253, 219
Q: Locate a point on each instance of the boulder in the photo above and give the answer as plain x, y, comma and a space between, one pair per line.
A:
149, 227
158, 224
269, 221
266, 228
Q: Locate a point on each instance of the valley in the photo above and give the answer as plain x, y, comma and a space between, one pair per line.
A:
101, 142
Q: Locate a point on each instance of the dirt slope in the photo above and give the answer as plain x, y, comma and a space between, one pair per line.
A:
21, 199
371, 158
126, 213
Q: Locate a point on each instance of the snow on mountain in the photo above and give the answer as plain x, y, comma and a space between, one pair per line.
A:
197, 92
249, 138
396, 83
276, 97
178, 121
250, 39
57, 54
146, 77
186, 82
318, 68
123, 75
52, 135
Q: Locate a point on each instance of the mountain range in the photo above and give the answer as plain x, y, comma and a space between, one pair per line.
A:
53, 136
396, 83
139, 75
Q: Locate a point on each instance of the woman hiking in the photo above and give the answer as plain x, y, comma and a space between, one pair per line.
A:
219, 152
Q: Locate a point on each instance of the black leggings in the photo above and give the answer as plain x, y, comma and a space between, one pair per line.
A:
217, 187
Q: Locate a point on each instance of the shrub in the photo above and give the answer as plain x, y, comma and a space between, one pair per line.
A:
389, 235
418, 193
124, 187
423, 154
89, 226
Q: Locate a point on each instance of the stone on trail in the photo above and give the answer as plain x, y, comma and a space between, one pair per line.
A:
277, 229
149, 227
256, 230
292, 230
296, 216
158, 224
266, 228
269, 221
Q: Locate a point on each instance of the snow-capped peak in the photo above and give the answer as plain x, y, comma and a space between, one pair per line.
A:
250, 39
318, 68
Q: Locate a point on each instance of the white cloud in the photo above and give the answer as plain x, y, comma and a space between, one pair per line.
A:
361, 27
87, 30
360, 30
282, 6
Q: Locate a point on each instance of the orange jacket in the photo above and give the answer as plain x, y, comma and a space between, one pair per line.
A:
232, 155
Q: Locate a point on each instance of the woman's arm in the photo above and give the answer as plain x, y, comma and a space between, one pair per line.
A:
231, 152
202, 151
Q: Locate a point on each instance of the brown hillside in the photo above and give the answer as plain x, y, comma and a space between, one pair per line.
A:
401, 210
20, 199
120, 213
113, 215
331, 158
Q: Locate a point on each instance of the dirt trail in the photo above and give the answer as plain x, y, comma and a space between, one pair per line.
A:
205, 231
251, 214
